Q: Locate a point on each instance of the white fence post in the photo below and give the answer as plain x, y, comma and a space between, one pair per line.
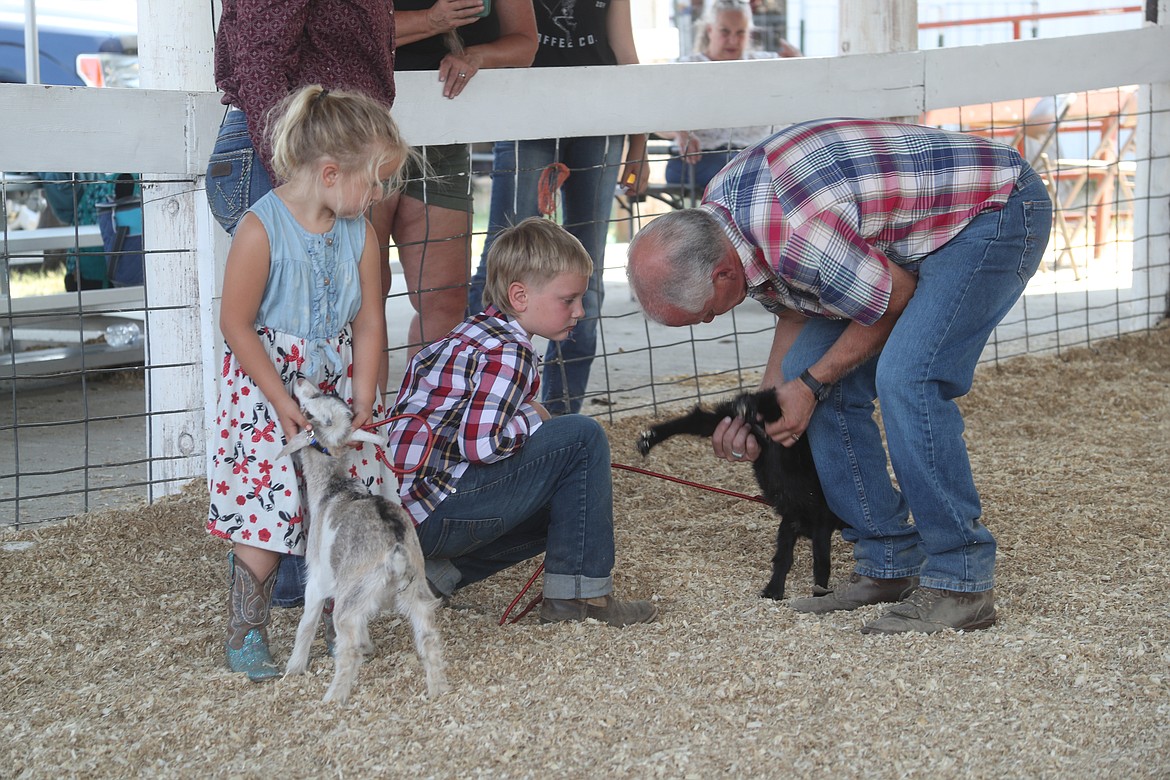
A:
866, 27
175, 51
1157, 186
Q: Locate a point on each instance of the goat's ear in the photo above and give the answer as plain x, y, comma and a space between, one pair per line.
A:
362, 434
298, 442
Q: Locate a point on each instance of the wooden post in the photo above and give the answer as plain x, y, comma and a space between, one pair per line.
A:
175, 52
1154, 188
867, 27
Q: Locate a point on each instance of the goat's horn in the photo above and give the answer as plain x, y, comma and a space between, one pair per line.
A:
298, 442
363, 435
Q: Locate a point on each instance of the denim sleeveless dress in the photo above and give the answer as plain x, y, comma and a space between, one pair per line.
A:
312, 295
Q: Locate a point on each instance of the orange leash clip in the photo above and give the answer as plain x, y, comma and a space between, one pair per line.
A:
551, 179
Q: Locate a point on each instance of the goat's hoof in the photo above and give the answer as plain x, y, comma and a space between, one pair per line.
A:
645, 442
336, 697
745, 408
776, 594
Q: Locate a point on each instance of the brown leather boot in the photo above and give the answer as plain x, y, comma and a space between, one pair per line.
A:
860, 591
246, 647
606, 609
931, 610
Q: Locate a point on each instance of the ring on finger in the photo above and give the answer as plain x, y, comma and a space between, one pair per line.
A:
462, 75
735, 454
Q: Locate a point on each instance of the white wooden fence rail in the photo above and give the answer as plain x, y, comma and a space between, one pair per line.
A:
172, 131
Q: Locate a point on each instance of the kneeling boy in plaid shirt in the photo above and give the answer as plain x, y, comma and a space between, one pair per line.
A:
496, 480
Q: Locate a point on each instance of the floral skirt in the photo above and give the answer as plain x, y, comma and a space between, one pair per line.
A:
256, 497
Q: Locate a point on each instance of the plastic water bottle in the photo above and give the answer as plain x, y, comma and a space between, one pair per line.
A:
122, 334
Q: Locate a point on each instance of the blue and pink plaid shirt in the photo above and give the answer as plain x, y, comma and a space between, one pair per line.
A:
475, 390
818, 210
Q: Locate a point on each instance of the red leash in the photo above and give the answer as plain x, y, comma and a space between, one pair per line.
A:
520, 595
700, 485
636, 470
380, 454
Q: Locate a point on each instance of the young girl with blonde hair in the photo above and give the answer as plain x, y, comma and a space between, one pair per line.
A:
301, 297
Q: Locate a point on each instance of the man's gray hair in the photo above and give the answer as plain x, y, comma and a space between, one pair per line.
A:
690, 244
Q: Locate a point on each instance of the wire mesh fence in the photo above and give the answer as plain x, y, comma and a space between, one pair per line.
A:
78, 379
73, 329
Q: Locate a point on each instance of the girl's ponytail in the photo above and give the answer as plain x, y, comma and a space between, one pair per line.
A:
351, 128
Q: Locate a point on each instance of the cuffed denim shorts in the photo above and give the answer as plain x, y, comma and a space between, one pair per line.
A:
447, 180
236, 177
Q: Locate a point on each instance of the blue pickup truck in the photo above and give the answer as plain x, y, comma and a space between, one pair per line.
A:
81, 42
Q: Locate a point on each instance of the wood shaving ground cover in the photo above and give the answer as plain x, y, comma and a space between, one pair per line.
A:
111, 649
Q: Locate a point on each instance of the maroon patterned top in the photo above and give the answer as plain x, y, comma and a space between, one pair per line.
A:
264, 49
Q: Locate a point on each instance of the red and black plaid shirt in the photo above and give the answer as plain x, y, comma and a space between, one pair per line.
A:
475, 390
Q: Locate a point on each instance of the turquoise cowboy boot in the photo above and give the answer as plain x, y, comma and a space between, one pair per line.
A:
247, 633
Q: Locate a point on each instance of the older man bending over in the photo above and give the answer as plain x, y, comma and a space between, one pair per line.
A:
889, 253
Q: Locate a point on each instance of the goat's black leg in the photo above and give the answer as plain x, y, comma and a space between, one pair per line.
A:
762, 403
699, 422
781, 561
822, 551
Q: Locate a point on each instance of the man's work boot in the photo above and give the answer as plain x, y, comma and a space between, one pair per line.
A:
860, 591
929, 610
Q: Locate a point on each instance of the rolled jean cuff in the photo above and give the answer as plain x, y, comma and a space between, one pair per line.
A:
442, 574
959, 586
576, 586
888, 574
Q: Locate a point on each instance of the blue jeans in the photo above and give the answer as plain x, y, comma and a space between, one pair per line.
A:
694, 178
236, 177
553, 496
964, 289
586, 200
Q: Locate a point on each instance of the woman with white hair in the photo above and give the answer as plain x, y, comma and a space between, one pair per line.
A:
723, 33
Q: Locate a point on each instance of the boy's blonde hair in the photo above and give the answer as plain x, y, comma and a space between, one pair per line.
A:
534, 252
349, 127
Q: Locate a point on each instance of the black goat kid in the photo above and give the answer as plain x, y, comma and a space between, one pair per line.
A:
786, 476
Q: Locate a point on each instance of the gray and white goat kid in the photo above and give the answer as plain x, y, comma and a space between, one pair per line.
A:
362, 551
